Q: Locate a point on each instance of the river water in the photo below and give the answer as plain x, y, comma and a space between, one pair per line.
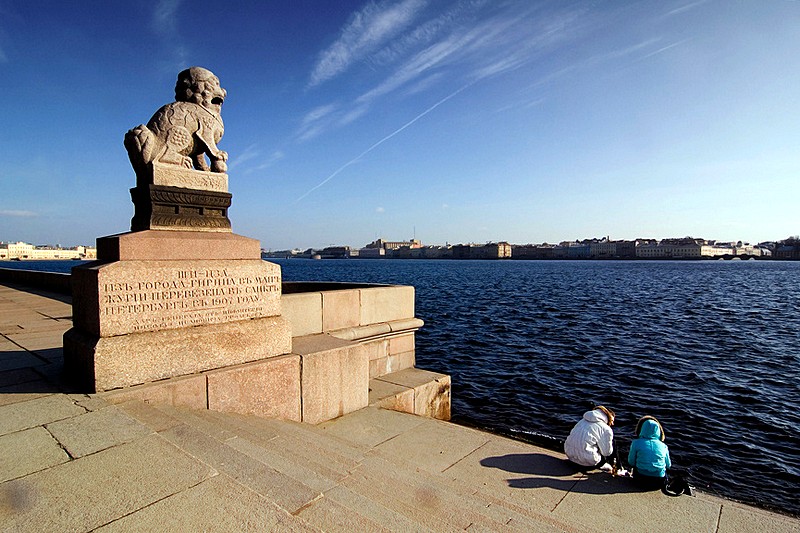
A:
709, 348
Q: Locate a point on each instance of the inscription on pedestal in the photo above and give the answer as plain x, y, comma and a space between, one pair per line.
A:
167, 295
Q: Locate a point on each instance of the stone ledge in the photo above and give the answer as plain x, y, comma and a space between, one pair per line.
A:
414, 391
372, 331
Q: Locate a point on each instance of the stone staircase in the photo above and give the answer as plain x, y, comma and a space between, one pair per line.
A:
316, 478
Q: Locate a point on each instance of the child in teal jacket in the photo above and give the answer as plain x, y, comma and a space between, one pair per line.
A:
649, 456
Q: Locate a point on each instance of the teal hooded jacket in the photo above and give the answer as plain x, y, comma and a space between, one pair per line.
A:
648, 455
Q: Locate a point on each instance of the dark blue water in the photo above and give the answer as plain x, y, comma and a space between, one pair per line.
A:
711, 349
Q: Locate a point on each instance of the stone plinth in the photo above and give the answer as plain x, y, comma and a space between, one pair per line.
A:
125, 360
176, 245
161, 304
172, 197
175, 208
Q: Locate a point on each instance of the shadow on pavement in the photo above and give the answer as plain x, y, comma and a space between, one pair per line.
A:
532, 463
546, 471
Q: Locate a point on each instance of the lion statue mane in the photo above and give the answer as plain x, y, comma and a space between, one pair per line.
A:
184, 132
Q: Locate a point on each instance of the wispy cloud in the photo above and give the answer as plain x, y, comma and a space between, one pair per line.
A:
383, 140
269, 161
316, 121
17, 213
367, 30
687, 7
665, 48
165, 15
495, 44
164, 23
380, 209
471, 42
251, 152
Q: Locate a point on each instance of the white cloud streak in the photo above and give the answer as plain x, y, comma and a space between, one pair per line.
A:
367, 30
383, 140
164, 24
165, 15
17, 213
686, 7
665, 48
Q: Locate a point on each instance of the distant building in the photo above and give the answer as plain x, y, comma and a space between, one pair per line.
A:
532, 251
571, 250
371, 253
685, 248
491, 250
602, 248
788, 249
394, 245
25, 251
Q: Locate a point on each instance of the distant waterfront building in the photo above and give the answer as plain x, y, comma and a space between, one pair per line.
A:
371, 253
491, 250
25, 251
571, 250
280, 253
394, 245
603, 248
532, 251
685, 248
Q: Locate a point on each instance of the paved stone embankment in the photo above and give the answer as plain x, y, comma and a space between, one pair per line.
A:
72, 462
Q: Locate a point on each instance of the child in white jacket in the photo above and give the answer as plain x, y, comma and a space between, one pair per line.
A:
591, 441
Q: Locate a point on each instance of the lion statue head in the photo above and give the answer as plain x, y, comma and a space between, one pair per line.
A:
200, 86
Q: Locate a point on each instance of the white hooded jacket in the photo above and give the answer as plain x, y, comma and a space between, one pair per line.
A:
590, 440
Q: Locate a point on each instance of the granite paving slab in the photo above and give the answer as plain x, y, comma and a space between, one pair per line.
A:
536, 479
261, 478
95, 490
28, 451
737, 518
370, 510
372, 426
444, 444
36, 412
96, 430
607, 503
217, 504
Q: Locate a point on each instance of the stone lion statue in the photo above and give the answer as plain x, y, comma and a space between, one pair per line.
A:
184, 132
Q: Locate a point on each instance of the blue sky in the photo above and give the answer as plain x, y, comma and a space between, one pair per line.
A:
455, 121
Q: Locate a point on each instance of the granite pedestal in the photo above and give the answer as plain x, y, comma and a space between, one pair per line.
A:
161, 304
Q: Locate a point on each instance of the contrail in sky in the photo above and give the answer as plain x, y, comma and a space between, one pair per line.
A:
395, 132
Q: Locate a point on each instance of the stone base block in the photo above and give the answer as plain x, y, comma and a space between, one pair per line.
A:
335, 377
152, 245
391, 396
430, 390
269, 388
100, 364
390, 355
184, 391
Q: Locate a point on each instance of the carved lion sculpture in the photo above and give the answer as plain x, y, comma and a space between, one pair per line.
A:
185, 131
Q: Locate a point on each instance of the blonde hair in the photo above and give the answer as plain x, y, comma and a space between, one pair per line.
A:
608, 412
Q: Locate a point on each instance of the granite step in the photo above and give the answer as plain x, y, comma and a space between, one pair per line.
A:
330, 482
220, 439
298, 459
289, 493
448, 494
425, 490
311, 440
